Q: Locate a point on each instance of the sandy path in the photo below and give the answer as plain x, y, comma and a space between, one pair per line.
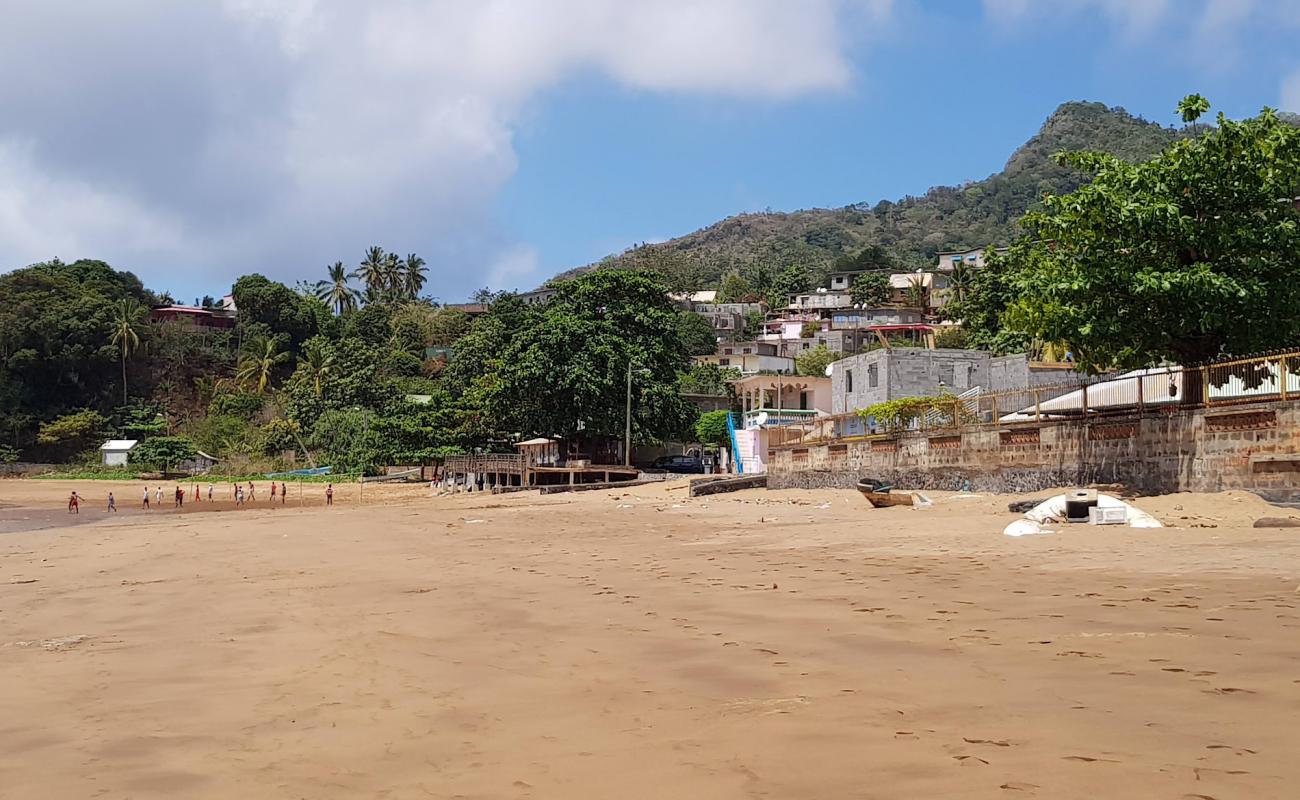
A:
642, 645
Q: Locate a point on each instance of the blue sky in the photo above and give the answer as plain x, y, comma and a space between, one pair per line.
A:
511, 139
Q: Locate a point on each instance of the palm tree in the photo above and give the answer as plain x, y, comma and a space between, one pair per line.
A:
335, 291
127, 317
959, 280
916, 293
373, 272
393, 277
414, 276
258, 362
318, 361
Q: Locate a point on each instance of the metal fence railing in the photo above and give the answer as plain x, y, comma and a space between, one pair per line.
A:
1269, 377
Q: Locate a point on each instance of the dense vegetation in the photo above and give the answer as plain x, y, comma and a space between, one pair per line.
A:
331, 374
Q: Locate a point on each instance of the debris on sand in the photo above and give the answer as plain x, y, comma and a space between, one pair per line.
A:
59, 643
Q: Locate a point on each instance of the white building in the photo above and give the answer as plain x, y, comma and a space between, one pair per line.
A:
116, 451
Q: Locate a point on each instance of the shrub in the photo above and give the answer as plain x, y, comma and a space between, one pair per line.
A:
711, 428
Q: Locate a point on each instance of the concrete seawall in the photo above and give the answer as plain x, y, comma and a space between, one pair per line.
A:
1255, 447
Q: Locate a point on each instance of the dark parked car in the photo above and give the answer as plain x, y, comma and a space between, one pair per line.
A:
687, 465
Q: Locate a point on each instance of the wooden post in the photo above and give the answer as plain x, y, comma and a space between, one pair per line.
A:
1038, 414
1281, 373
996, 420
1141, 400
1085, 401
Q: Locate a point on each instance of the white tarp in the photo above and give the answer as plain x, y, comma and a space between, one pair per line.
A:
1053, 510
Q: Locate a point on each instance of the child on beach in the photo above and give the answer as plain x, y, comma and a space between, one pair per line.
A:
146, 499
272, 491
74, 504
112, 504
209, 493
158, 497
239, 496
252, 492
284, 493
329, 495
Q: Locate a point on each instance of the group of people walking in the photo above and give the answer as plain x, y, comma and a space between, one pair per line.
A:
237, 492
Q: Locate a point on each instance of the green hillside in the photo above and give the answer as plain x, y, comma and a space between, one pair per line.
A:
912, 229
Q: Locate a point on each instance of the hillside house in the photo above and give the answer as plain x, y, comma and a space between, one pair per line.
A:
750, 358
837, 341
889, 374
193, 317
820, 300
772, 401
539, 297
866, 317
972, 259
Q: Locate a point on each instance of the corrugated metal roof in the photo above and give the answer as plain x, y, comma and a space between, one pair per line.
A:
119, 444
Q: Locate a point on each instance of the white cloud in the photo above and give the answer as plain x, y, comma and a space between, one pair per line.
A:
515, 268
43, 216
284, 134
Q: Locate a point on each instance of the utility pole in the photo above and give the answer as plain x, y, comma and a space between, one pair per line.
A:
627, 428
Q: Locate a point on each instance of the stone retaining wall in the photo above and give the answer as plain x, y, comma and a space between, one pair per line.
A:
1255, 447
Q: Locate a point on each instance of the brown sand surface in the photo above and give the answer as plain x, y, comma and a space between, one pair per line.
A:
637, 644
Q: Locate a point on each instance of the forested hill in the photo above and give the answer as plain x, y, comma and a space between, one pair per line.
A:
913, 229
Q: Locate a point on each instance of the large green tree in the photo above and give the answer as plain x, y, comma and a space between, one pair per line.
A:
270, 308
1188, 256
870, 289
697, 334
565, 369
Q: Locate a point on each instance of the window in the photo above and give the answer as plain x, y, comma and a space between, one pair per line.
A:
873, 377
848, 381
945, 373
804, 345
724, 362
748, 350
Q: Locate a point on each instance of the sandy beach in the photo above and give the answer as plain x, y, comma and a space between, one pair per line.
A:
639, 644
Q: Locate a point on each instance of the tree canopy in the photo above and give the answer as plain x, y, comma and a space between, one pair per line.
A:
564, 367
1163, 259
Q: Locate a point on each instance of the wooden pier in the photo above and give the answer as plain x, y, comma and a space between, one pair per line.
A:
506, 470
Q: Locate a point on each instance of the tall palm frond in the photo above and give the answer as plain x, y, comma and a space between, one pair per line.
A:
318, 360
373, 273
335, 291
258, 362
414, 276
128, 317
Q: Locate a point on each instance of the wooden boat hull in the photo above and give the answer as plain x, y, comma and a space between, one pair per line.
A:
882, 499
886, 499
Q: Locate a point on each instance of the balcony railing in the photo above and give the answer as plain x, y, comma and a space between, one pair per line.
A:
767, 417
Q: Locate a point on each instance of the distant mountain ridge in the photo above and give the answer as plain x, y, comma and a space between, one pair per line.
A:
914, 228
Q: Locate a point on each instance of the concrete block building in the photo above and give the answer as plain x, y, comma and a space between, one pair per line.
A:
888, 374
